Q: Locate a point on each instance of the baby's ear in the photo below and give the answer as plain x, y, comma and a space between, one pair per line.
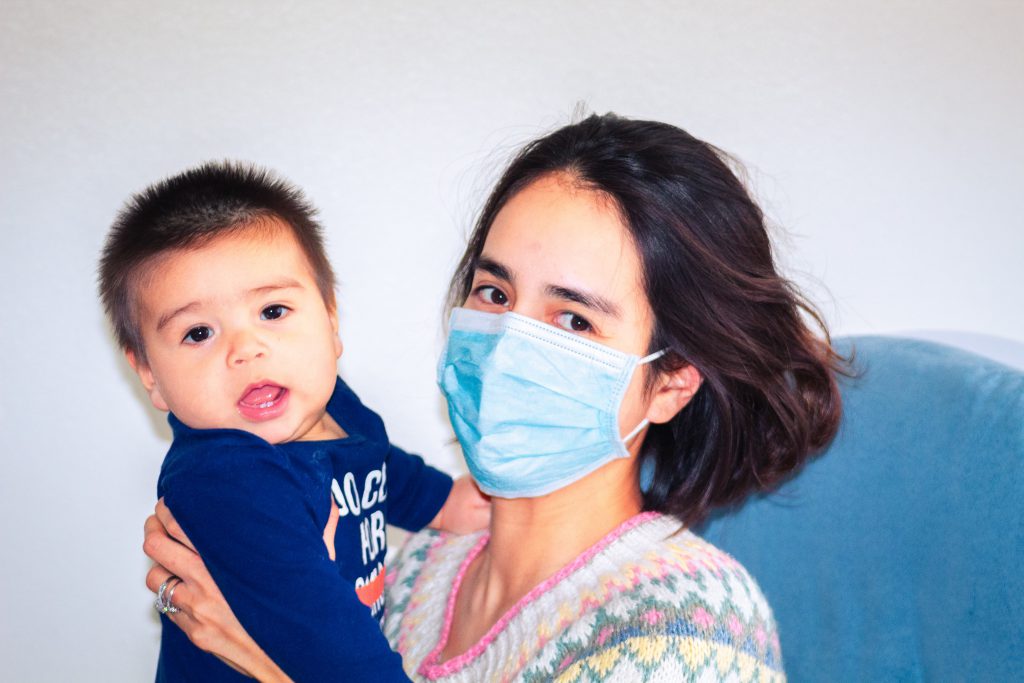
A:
145, 374
332, 314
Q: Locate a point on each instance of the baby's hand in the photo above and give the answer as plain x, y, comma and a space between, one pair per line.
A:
466, 509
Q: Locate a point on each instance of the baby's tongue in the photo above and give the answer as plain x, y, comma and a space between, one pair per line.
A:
260, 395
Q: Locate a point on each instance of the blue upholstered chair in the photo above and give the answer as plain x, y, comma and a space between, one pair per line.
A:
898, 555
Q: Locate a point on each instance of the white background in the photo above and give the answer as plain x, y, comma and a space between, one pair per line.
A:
884, 137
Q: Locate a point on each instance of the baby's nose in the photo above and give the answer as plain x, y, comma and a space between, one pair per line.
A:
245, 347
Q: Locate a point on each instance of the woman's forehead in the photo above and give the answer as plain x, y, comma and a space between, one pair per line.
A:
556, 232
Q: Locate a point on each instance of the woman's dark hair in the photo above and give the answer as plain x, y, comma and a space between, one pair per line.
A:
769, 397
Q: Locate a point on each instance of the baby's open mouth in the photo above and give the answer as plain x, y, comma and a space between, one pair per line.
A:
262, 401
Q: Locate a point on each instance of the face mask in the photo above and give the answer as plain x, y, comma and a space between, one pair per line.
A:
535, 408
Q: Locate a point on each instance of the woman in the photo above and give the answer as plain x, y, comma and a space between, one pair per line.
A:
625, 359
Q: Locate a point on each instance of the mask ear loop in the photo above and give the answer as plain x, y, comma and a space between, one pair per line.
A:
644, 422
652, 357
632, 435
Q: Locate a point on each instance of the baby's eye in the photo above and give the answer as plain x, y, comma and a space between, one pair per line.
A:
489, 294
573, 322
198, 334
274, 312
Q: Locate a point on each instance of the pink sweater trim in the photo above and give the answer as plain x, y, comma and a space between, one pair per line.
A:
432, 670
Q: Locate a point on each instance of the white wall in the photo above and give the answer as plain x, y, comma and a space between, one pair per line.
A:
886, 137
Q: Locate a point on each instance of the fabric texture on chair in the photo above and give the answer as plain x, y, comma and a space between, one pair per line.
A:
898, 554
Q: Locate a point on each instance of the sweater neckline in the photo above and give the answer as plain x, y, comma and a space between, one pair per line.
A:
431, 669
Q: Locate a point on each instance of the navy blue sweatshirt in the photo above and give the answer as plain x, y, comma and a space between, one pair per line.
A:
256, 513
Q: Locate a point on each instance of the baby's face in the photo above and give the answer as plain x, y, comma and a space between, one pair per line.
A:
238, 336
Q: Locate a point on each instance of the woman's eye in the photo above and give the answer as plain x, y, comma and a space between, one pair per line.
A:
492, 295
198, 334
274, 312
574, 323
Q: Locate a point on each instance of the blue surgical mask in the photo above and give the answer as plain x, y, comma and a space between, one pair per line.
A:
535, 408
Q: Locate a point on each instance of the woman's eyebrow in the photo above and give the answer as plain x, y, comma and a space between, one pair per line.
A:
589, 300
496, 269
586, 299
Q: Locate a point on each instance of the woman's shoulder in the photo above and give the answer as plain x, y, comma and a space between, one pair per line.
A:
693, 567
659, 603
425, 565
439, 552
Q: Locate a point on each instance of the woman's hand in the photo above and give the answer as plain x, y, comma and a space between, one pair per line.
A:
466, 509
204, 614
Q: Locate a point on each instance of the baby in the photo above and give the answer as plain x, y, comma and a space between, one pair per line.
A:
222, 298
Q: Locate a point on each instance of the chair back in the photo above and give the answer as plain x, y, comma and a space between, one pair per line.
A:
898, 554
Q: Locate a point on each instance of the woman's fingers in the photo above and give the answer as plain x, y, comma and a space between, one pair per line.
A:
163, 513
181, 597
176, 558
157, 544
156, 576
202, 614
172, 560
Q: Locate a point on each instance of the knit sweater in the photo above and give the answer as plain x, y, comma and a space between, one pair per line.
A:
646, 603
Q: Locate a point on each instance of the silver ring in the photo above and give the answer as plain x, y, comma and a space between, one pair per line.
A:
164, 606
169, 601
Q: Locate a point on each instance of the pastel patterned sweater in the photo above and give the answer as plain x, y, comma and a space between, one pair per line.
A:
646, 603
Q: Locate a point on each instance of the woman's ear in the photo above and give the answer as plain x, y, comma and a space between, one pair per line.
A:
145, 374
674, 392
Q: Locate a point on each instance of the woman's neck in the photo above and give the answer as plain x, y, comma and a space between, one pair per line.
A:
532, 538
